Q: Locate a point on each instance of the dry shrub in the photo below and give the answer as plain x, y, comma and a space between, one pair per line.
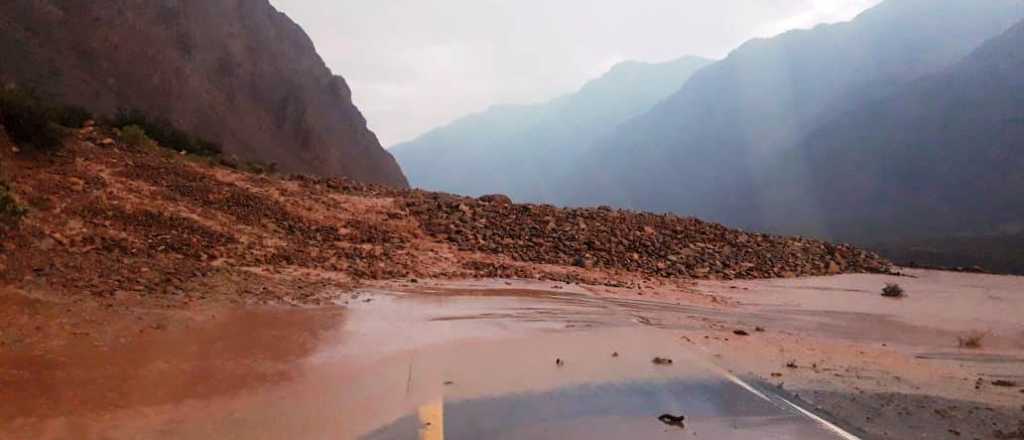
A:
972, 340
893, 291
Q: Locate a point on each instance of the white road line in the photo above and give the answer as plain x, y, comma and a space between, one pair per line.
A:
824, 423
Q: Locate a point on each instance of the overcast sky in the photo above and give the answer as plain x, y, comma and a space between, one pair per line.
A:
417, 64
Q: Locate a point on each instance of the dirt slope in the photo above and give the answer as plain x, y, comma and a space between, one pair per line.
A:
144, 221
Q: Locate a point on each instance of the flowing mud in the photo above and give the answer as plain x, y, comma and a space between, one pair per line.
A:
527, 360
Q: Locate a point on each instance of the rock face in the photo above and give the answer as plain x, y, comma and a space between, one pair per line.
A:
236, 72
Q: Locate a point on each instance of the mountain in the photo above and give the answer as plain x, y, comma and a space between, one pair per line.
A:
943, 157
236, 72
704, 150
523, 150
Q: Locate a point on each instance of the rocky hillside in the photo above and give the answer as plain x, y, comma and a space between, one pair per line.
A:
932, 175
943, 157
703, 150
524, 150
236, 72
103, 217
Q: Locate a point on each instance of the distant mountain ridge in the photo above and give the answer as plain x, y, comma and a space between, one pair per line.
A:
237, 72
702, 151
943, 157
523, 150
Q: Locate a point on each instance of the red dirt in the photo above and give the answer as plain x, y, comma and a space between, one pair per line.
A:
115, 219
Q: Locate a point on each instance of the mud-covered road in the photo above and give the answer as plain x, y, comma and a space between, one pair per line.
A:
803, 358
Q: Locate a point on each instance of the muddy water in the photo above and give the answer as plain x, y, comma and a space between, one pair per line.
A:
394, 366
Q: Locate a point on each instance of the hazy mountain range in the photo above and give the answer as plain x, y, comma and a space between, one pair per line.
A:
701, 152
904, 123
939, 161
521, 150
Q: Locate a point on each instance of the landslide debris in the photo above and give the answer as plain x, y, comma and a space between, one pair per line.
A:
106, 218
659, 245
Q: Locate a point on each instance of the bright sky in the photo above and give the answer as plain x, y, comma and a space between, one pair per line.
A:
414, 65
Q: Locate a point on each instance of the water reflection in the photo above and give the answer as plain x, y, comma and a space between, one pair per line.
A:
718, 410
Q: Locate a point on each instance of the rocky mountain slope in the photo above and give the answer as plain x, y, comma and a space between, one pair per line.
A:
236, 72
107, 218
943, 157
523, 150
703, 151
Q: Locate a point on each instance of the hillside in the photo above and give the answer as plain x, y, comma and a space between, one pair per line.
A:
107, 218
702, 151
523, 150
236, 72
943, 157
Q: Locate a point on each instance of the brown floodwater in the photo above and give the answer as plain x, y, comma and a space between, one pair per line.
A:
498, 364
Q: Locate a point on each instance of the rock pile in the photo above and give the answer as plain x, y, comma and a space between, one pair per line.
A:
107, 217
654, 244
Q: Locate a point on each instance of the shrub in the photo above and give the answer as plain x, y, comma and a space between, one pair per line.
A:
971, 340
10, 211
165, 134
71, 116
27, 120
892, 291
135, 136
257, 167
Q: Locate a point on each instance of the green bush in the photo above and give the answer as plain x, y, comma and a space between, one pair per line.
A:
165, 134
28, 121
71, 116
135, 136
10, 211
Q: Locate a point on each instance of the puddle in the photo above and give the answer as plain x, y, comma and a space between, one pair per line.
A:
713, 410
425, 366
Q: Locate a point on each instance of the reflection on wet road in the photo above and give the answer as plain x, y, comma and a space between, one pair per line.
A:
494, 375
713, 410
432, 366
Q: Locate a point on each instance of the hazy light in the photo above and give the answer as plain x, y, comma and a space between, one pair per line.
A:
415, 65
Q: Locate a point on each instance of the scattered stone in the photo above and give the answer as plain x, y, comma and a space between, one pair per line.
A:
740, 333
656, 245
661, 361
791, 364
499, 199
559, 362
1004, 383
615, 355
893, 291
759, 329
672, 420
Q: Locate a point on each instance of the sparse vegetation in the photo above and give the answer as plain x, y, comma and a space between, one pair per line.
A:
71, 116
135, 136
251, 166
165, 133
27, 120
10, 211
33, 122
893, 290
972, 340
